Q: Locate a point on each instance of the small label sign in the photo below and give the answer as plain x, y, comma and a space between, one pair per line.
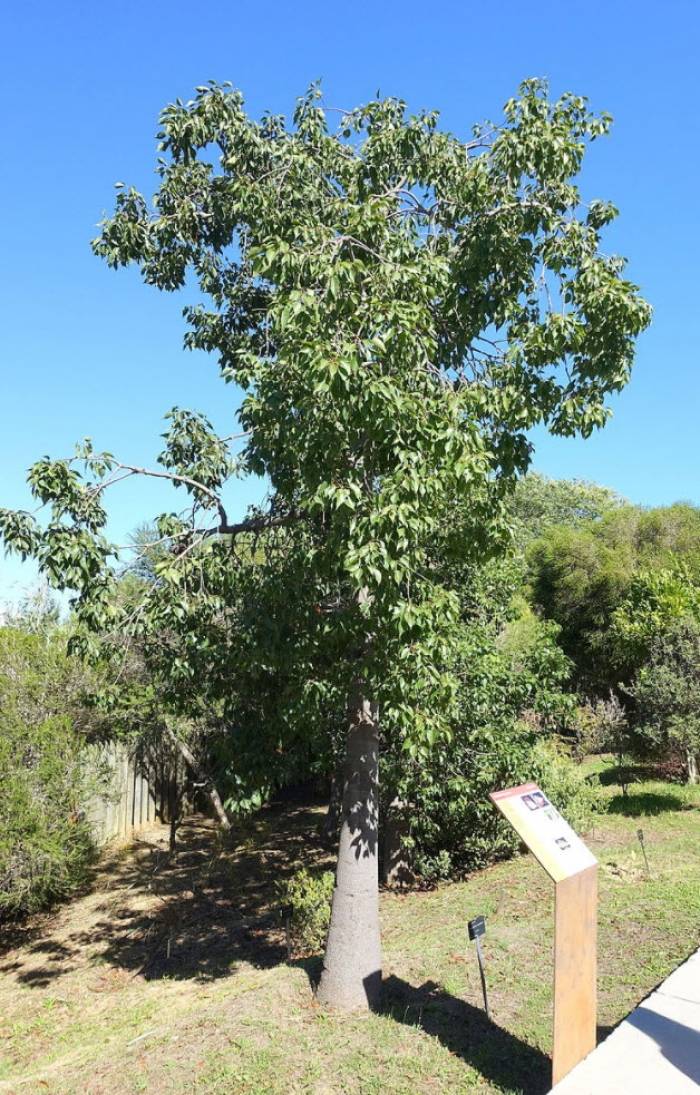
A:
477, 927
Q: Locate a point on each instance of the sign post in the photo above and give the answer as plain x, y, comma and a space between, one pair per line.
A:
574, 870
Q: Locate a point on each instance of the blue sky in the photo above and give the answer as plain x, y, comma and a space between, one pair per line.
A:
85, 350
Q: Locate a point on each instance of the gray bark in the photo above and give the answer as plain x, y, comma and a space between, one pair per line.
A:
396, 869
331, 822
352, 966
691, 767
199, 774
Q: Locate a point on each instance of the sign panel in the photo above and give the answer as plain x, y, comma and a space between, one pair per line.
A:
549, 837
476, 927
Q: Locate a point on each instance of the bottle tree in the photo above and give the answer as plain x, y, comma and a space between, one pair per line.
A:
400, 307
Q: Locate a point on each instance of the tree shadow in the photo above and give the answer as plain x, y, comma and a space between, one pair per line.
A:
500, 1057
647, 803
679, 1044
196, 914
629, 774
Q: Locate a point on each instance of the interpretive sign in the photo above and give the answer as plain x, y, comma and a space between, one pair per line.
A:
573, 868
548, 836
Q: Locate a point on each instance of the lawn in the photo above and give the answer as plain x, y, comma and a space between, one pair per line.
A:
170, 975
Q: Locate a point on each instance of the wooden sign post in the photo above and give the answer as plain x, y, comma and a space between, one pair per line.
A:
574, 870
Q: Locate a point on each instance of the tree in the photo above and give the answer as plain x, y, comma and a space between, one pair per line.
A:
540, 503
666, 691
605, 579
400, 308
46, 842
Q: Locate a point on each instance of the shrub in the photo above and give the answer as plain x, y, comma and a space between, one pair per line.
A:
307, 897
601, 726
455, 828
45, 840
46, 844
562, 781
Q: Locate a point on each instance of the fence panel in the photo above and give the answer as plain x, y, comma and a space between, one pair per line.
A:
133, 790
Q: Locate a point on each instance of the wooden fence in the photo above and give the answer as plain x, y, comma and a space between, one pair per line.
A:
133, 790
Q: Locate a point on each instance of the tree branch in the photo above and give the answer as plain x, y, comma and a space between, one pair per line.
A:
175, 478
255, 524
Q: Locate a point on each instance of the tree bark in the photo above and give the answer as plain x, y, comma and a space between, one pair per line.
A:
199, 774
396, 869
691, 764
331, 822
352, 966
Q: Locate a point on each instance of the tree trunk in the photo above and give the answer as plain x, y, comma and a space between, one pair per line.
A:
352, 965
691, 764
199, 774
331, 822
174, 821
396, 869
174, 802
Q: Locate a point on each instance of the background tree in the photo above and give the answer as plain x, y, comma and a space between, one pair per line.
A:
46, 844
400, 307
606, 581
666, 692
540, 503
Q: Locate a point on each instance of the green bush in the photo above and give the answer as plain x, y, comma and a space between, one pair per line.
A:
45, 840
562, 781
306, 900
511, 705
666, 693
455, 828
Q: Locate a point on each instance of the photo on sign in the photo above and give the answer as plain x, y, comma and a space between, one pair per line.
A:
559, 849
535, 800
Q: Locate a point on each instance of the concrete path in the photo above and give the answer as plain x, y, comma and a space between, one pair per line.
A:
655, 1051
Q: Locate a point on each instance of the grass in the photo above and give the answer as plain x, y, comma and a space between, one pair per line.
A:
171, 975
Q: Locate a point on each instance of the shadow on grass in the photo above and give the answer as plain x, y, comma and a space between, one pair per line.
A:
195, 915
629, 773
646, 803
464, 1030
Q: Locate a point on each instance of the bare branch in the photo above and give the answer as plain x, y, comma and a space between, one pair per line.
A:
256, 524
132, 469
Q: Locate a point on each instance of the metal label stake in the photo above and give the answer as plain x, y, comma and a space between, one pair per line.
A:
640, 838
477, 928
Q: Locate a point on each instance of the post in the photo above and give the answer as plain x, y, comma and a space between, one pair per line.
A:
574, 870
575, 930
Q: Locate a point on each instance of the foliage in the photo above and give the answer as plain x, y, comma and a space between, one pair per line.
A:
540, 503
306, 900
456, 828
511, 701
45, 840
596, 579
666, 692
602, 726
656, 602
